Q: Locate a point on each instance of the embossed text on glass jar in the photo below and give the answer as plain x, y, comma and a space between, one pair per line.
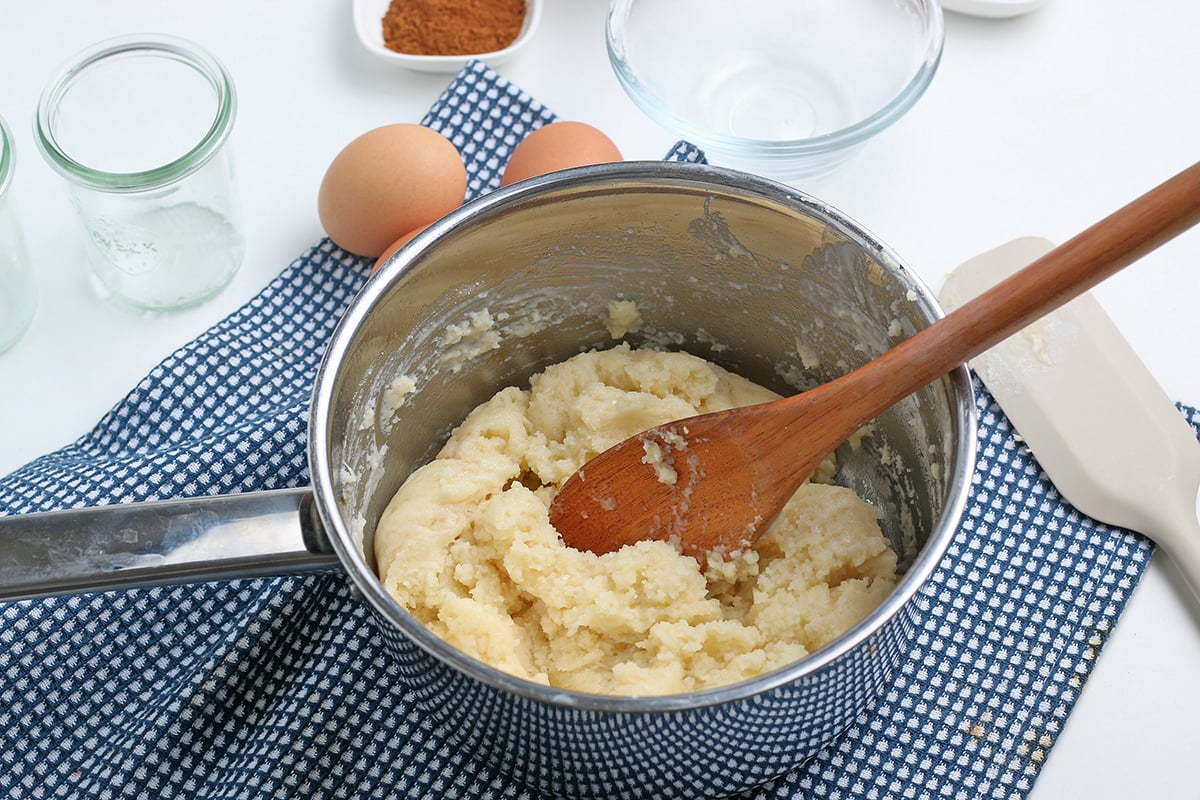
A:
139, 127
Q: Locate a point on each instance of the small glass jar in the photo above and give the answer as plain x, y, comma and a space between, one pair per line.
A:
139, 126
18, 295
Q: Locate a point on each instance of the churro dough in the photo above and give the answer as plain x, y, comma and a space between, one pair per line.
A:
466, 545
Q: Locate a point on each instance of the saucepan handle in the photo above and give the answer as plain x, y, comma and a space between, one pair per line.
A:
161, 542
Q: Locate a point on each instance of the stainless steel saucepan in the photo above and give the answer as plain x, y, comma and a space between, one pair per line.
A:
762, 279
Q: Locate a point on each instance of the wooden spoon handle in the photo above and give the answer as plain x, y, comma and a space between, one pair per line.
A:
1062, 274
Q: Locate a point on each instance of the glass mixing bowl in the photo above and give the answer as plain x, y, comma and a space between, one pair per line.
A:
787, 89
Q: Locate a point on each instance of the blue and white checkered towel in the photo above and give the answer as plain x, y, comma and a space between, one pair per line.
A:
278, 688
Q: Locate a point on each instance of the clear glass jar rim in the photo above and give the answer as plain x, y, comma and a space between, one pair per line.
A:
8, 157
168, 46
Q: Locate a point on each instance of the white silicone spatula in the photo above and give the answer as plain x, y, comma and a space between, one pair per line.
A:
1105, 432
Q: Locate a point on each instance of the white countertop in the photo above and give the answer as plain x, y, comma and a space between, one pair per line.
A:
1039, 125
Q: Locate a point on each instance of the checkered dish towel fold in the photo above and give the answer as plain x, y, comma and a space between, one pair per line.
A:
278, 688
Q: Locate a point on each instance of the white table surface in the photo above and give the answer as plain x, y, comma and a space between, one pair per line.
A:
1036, 125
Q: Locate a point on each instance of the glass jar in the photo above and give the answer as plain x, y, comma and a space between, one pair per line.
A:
18, 295
139, 127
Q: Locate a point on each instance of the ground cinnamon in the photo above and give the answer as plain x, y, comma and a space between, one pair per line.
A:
452, 27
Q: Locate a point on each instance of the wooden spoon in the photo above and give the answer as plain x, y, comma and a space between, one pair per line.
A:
715, 482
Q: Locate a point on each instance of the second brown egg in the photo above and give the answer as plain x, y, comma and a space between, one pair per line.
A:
559, 145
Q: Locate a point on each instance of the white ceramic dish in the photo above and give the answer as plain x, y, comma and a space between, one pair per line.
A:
368, 17
995, 9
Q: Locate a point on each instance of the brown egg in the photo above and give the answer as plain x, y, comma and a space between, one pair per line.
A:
394, 246
388, 182
558, 145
